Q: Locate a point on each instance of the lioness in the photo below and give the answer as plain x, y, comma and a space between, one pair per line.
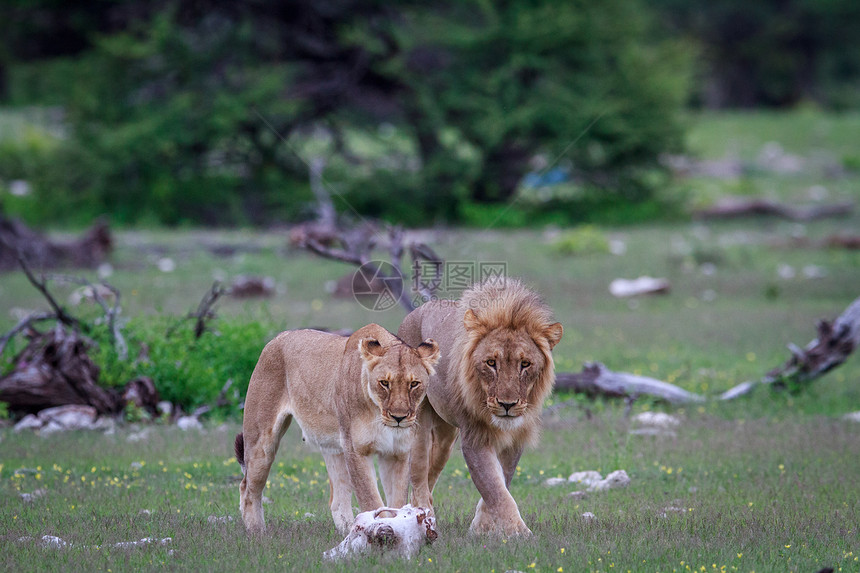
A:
352, 397
495, 372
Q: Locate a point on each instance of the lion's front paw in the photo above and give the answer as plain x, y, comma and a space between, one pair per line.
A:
485, 523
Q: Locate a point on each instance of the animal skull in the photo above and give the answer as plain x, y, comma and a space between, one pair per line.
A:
403, 531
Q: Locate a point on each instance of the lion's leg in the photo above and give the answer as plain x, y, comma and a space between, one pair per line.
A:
260, 450
509, 458
497, 512
419, 457
394, 473
341, 492
444, 436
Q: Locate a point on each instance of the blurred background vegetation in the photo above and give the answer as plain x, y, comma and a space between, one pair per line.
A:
207, 112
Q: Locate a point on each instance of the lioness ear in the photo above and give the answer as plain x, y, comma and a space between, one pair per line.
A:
429, 353
370, 348
553, 334
470, 320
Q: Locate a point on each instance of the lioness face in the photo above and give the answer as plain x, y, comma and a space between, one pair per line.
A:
396, 378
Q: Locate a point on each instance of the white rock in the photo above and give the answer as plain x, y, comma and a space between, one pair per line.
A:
622, 288
165, 407
166, 265
587, 478
657, 420
140, 436
588, 516
616, 479
786, 271
551, 482
577, 495
29, 497
53, 542
401, 531
29, 422
213, 519
186, 423
852, 417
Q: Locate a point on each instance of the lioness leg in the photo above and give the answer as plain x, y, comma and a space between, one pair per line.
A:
497, 512
419, 457
394, 473
341, 492
260, 450
362, 476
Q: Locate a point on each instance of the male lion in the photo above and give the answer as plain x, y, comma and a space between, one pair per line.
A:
352, 397
495, 372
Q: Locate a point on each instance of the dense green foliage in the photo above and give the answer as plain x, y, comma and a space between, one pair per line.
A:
771, 52
186, 371
206, 112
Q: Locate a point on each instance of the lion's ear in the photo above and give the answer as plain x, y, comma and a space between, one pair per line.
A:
470, 320
429, 353
553, 334
370, 349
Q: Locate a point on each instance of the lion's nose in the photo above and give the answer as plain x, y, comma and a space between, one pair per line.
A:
398, 419
507, 405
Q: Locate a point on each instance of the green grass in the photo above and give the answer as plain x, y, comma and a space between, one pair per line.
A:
749, 494
766, 483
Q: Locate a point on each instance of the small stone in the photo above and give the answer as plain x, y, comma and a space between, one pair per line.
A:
588, 477
577, 495
186, 423
136, 465
852, 417
657, 419
616, 479
588, 516
552, 482
213, 519
53, 542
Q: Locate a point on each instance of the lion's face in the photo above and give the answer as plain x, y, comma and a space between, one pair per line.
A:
396, 378
509, 363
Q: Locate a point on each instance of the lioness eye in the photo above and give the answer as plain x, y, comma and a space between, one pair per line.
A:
414, 384
491, 363
525, 363
383, 383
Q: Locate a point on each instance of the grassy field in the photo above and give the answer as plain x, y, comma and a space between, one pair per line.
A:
766, 483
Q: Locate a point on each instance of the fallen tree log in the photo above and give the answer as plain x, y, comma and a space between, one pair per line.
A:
730, 207
54, 369
19, 241
834, 343
598, 380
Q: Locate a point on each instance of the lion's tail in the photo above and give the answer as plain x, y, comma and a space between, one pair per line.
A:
239, 449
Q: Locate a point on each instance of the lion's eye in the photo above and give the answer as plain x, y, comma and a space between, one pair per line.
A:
414, 384
525, 364
491, 363
383, 383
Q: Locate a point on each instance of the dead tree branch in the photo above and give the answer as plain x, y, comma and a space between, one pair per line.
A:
597, 380
834, 343
41, 286
111, 311
204, 311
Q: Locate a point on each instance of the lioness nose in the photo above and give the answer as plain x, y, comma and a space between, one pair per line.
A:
398, 419
507, 405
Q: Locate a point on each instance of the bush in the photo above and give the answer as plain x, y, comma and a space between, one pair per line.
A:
188, 372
